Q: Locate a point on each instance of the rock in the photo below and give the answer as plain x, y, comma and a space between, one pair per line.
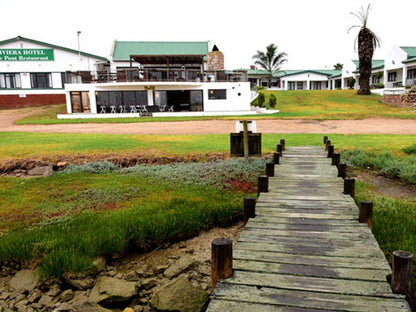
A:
66, 295
44, 171
148, 283
100, 264
79, 307
179, 295
24, 280
179, 266
108, 289
128, 309
78, 281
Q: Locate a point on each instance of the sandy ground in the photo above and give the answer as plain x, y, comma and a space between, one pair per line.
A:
365, 126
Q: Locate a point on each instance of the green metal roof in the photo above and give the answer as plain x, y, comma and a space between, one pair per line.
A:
19, 38
411, 51
374, 64
123, 49
413, 59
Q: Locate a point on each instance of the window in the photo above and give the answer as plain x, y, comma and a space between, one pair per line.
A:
411, 74
41, 80
217, 94
10, 81
375, 79
299, 85
316, 85
392, 76
80, 102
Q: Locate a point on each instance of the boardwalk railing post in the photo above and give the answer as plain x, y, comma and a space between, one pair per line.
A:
349, 186
276, 158
401, 281
263, 184
283, 142
328, 143
270, 169
221, 260
342, 170
249, 208
336, 157
330, 151
366, 213
325, 139
279, 149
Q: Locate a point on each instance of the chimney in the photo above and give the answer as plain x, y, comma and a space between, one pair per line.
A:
215, 59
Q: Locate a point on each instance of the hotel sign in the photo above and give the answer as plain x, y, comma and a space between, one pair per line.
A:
25, 55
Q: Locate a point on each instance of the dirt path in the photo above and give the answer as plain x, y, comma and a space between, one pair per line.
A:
366, 126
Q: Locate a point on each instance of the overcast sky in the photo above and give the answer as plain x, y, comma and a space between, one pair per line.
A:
314, 34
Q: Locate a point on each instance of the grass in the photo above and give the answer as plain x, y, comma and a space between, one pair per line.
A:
17, 145
299, 104
64, 221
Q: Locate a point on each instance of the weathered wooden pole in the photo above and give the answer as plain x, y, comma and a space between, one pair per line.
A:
336, 157
270, 169
249, 208
263, 184
245, 139
401, 281
328, 142
221, 260
366, 213
342, 170
349, 186
330, 151
276, 158
283, 142
325, 139
279, 149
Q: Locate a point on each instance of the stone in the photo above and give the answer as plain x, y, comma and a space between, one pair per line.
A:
109, 289
179, 295
184, 263
66, 295
24, 280
100, 264
44, 171
78, 281
148, 283
79, 307
128, 309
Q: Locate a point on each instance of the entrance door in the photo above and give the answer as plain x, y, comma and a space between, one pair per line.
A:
80, 102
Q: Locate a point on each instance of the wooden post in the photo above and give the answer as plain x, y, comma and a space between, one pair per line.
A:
366, 213
328, 142
401, 280
336, 157
349, 186
342, 170
270, 169
245, 139
263, 184
276, 158
221, 260
283, 142
325, 139
279, 149
330, 151
249, 208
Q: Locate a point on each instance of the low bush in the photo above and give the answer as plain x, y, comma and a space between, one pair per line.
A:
384, 162
411, 149
272, 101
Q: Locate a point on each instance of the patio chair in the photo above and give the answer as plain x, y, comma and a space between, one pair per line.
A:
133, 109
113, 109
103, 109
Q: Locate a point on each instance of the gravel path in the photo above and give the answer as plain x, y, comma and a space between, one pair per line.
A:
365, 126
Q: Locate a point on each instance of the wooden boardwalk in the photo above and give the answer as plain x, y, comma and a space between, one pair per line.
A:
305, 250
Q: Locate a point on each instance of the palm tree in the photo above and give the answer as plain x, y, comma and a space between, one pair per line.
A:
367, 42
338, 66
271, 61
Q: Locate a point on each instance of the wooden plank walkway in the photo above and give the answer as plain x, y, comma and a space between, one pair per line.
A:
305, 250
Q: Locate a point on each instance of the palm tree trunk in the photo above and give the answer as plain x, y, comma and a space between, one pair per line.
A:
365, 55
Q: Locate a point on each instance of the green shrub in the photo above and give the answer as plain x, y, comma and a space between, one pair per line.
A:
411, 149
261, 99
91, 167
272, 101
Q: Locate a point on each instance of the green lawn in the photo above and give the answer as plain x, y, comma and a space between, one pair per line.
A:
300, 104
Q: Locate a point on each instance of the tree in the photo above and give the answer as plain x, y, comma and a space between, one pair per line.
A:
338, 66
271, 60
368, 41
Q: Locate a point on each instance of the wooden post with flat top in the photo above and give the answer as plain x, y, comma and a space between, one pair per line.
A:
222, 259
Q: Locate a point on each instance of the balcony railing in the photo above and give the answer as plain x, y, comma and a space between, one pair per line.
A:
157, 75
